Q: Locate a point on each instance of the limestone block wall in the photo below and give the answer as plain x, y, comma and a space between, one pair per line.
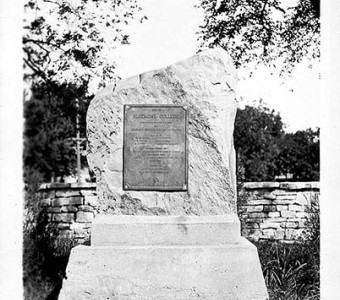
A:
267, 210
276, 211
71, 207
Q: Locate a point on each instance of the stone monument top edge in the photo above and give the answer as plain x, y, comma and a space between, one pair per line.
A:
135, 80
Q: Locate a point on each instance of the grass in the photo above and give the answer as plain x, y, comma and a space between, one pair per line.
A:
292, 271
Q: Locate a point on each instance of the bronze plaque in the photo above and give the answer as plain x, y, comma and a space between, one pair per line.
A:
155, 148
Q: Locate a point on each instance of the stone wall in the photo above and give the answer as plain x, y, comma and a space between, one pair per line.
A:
267, 210
275, 211
71, 207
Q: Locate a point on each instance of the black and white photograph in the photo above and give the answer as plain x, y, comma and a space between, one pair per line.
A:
169, 149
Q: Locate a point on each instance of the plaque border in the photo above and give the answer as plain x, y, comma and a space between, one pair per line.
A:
126, 186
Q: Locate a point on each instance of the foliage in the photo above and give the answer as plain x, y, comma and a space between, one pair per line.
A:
72, 41
45, 252
312, 232
264, 31
265, 150
241, 194
300, 154
292, 271
50, 124
256, 135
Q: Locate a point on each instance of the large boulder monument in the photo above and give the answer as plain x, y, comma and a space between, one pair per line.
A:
161, 146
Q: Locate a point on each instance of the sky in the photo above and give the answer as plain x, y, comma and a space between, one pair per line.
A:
169, 35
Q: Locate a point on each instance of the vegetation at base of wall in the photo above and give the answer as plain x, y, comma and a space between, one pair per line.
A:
45, 252
240, 178
292, 271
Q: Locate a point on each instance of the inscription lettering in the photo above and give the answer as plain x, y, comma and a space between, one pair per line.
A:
156, 116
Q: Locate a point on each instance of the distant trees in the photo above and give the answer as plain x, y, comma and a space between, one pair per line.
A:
265, 150
272, 32
50, 125
300, 154
256, 136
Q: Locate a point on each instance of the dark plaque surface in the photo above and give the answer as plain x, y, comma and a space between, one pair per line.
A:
155, 148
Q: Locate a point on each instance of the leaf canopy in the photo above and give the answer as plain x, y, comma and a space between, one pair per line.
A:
73, 40
271, 32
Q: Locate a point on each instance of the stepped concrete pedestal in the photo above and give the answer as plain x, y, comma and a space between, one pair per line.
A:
165, 257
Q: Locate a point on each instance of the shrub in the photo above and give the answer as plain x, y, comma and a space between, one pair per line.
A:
291, 271
45, 252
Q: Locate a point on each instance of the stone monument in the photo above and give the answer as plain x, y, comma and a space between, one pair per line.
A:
161, 145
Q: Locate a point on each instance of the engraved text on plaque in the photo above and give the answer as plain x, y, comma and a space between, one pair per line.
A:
155, 148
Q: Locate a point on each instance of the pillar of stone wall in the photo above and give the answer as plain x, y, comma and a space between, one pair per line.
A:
71, 207
276, 211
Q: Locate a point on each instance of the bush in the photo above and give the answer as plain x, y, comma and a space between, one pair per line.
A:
45, 252
292, 271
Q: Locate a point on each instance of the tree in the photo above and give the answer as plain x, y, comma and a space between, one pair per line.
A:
257, 133
68, 53
72, 41
264, 150
300, 155
50, 124
266, 31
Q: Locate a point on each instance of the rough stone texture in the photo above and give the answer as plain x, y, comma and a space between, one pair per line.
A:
63, 226
204, 83
63, 217
52, 187
53, 209
62, 207
45, 202
68, 208
91, 200
283, 185
262, 185
84, 217
67, 201
276, 211
67, 193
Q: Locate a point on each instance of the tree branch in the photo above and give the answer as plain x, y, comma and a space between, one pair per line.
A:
316, 7
33, 67
39, 42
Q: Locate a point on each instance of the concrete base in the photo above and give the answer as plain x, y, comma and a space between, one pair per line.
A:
108, 230
200, 270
